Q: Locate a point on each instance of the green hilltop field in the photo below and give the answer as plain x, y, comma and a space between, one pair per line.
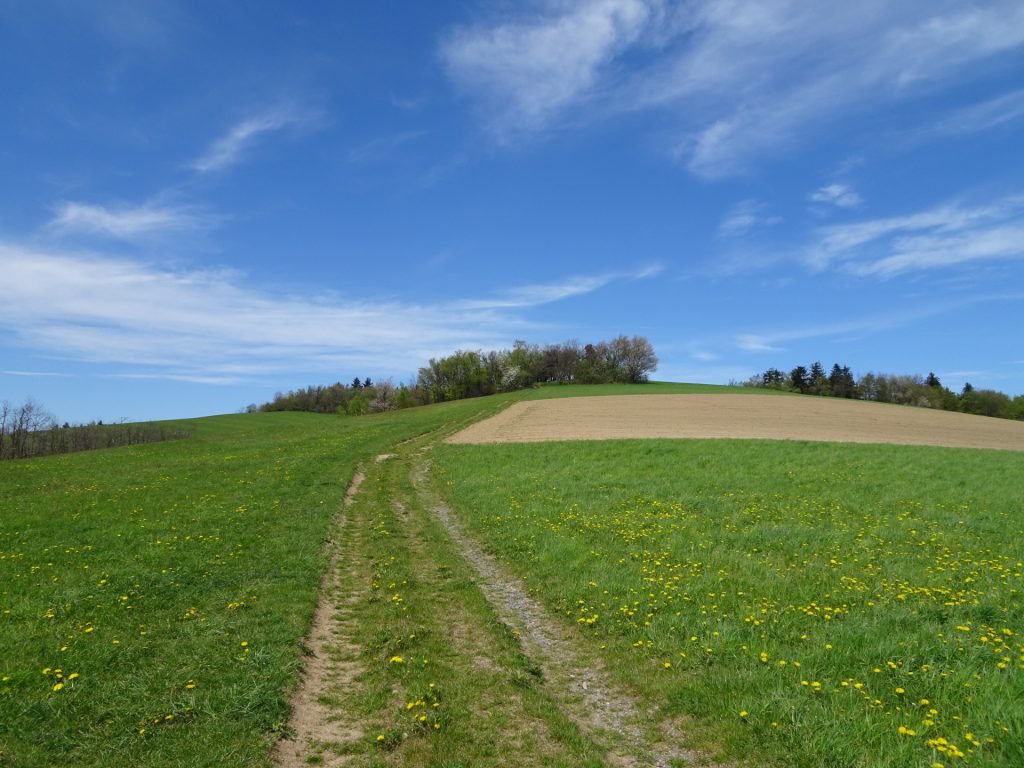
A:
795, 603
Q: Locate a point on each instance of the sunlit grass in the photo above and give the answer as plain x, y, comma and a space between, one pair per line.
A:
154, 599
817, 604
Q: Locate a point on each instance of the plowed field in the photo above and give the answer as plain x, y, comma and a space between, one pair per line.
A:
740, 416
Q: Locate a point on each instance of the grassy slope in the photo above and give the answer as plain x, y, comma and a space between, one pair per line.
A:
180, 552
153, 599
882, 583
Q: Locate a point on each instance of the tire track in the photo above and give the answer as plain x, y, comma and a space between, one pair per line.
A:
580, 686
318, 728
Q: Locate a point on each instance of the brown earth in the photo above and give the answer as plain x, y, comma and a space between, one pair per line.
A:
754, 416
317, 728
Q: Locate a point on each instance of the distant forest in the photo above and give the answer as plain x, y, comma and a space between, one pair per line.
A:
924, 392
473, 374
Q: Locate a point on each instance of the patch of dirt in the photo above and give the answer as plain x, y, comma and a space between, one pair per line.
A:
580, 685
754, 416
316, 726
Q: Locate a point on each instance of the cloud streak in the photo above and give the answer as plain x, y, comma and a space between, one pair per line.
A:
742, 78
993, 113
209, 325
527, 71
743, 217
774, 341
536, 295
839, 195
230, 148
943, 236
124, 222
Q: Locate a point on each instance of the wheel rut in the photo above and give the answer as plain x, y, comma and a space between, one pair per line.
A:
318, 729
578, 683
323, 727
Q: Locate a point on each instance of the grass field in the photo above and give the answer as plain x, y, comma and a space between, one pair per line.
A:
800, 603
778, 603
153, 600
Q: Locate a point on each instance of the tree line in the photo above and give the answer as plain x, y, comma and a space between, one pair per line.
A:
468, 373
924, 392
355, 399
28, 430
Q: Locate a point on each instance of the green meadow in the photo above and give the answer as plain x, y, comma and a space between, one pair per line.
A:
154, 599
780, 603
791, 603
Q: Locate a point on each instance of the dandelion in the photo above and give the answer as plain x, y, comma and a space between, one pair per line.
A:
396, 660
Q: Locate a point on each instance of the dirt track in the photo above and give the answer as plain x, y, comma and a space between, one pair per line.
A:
752, 416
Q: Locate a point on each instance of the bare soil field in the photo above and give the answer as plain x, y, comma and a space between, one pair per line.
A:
740, 416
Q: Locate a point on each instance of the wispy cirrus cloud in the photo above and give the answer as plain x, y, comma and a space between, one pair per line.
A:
742, 78
775, 340
546, 293
943, 236
744, 217
40, 374
209, 325
230, 148
125, 222
839, 195
528, 70
991, 113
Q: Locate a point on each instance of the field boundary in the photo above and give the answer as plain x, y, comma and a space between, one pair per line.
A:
755, 416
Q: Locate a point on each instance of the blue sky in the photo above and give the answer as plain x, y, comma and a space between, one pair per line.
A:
205, 203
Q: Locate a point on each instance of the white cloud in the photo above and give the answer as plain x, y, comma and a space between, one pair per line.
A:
999, 111
209, 325
775, 340
45, 374
942, 236
743, 217
753, 342
526, 71
742, 78
229, 148
839, 195
535, 295
699, 353
124, 222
